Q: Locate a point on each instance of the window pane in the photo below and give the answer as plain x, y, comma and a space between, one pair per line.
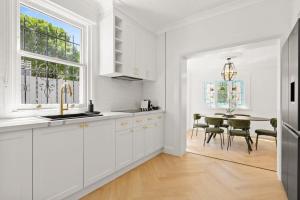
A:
42, 82
46, 35
218, 93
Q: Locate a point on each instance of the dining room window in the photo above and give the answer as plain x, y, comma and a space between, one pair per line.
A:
218, 94
51, 53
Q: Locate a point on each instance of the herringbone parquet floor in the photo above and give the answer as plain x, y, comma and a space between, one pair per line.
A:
192, 177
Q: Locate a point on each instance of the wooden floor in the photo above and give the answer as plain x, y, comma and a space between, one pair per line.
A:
263, 157
192, 177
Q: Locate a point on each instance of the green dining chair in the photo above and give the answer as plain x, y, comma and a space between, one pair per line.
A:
223, 125
265, 132
197, 124
214, 128
240, 128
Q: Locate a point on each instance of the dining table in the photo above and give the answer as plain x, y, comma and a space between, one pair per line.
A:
239, 117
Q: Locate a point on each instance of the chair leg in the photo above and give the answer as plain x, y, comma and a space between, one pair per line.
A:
221, 140
214, 135
250, 139
248, 143
204, 138
256, 142
192, 133
228, 141
276, 141
197, 132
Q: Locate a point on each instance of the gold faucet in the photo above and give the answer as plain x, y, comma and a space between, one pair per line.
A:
66, 87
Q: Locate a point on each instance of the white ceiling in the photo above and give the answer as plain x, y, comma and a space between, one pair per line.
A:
158, 14
253, 55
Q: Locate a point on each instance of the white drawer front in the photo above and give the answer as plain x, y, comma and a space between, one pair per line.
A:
158, 117
151, 119
139, 121
123, 124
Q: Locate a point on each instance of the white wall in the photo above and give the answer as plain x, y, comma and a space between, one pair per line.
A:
253, 23
260, 80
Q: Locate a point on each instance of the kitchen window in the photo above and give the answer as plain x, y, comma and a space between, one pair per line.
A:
52, 51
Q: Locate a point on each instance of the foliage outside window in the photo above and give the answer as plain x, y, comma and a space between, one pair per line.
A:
219, 94
43, 36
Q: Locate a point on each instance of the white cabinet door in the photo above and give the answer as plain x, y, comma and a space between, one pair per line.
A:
99, 150
149, 56
57, 161
16, 165
158, 135
128, 52
149, 139
140, 52
124, 150
138, 143
159, 131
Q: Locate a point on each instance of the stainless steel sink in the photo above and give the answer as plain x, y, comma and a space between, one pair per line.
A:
71, 116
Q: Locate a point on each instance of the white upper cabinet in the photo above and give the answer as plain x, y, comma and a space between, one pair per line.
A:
57, 161
126, 48
16, 165
99, 150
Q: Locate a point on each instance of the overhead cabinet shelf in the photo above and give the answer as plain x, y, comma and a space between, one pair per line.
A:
126, 49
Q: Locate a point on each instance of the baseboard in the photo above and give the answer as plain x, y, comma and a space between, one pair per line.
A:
111, 177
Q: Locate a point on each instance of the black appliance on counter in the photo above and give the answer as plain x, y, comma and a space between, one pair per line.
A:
290, 100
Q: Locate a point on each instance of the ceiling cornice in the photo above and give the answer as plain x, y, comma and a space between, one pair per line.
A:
226, 8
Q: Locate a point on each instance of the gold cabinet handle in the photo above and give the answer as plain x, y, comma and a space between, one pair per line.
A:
81, 125
124, 123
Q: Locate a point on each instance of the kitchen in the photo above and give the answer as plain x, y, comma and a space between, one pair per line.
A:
112, 45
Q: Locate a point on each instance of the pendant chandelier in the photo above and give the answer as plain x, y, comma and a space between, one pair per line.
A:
229, 72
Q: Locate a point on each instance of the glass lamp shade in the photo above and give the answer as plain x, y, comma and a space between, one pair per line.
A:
229, 72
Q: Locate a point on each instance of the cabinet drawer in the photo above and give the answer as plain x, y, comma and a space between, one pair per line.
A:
139, 121
159, 117
123, 124
150, 119
154, 118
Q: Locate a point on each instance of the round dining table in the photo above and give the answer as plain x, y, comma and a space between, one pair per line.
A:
239, 117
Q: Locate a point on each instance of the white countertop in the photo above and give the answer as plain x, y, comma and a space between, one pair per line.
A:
23, 123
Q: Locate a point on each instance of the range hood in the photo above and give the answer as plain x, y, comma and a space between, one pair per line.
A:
127, 78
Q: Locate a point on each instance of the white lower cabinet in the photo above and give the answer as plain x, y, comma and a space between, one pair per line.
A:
16, 165
124, 148
99, 150
154, 133
138, 143
57, 161
158, 133
149, 139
